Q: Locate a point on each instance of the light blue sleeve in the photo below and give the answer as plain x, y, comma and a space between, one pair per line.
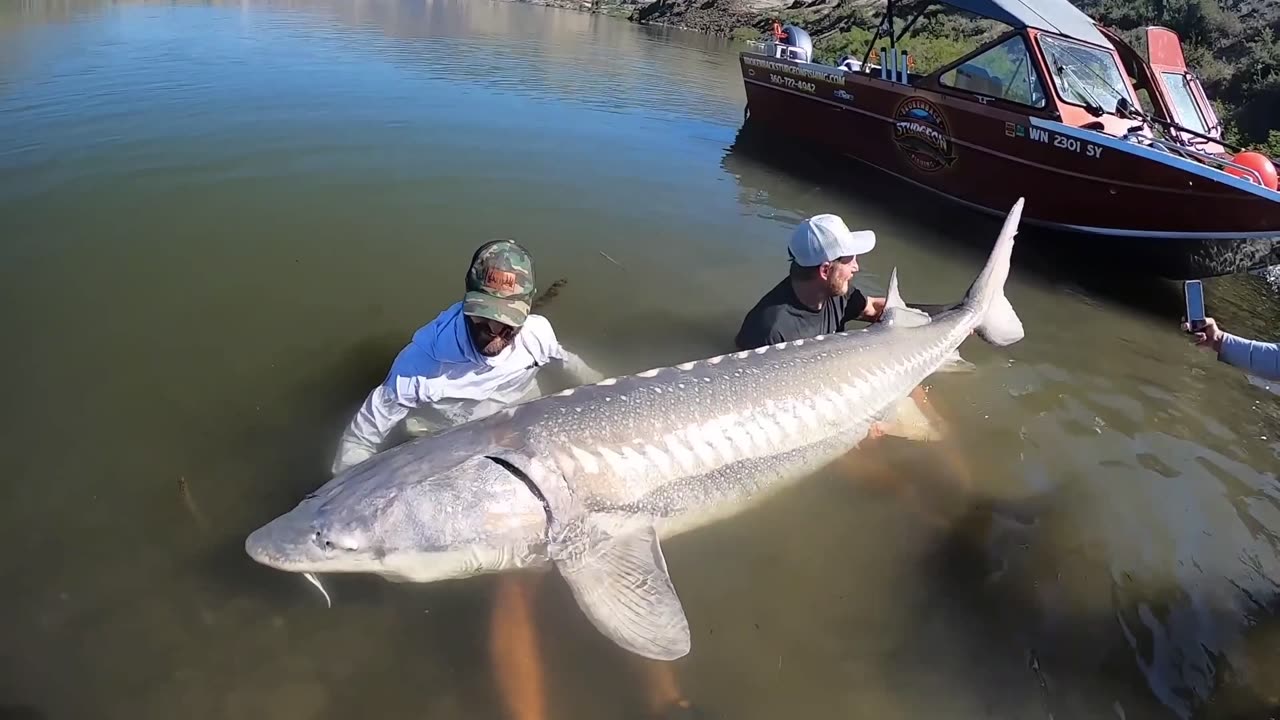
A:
1258, 358
548, 347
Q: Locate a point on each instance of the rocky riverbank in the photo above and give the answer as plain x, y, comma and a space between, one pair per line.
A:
613, 8
748, 18
715, 17
745, 19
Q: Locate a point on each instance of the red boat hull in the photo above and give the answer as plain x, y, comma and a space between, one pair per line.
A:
1179, 219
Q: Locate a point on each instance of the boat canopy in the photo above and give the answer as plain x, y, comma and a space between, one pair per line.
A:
1056, 16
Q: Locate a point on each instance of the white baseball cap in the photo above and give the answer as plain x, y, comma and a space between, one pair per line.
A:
824, 238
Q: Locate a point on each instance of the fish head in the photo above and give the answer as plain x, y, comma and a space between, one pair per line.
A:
411, 516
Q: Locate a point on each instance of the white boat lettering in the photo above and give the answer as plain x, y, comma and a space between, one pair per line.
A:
1065, 142
790, 82
835, 78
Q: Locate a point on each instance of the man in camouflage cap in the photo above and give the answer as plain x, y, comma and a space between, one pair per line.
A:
474, 359
477, 357
500, 283
499, 294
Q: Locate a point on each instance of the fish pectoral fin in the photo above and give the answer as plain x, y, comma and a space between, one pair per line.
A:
906, 420
622, 585
955, 363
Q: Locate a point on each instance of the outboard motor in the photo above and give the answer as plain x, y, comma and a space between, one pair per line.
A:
794, 45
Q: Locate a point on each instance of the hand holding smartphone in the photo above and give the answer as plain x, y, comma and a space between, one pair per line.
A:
1193, 291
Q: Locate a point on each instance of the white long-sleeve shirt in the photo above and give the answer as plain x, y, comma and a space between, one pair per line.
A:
442, 376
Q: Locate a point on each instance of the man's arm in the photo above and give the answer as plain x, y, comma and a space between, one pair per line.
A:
1257, 358
385, 406
545, 341
934, 309
580, 370
873, 309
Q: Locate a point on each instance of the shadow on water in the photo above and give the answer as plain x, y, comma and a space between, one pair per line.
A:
1000, 586
777, 169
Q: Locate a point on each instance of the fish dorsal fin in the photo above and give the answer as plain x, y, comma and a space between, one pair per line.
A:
893, 298
896, 313
619, 577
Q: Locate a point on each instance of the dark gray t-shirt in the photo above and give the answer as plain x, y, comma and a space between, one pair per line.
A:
779, 316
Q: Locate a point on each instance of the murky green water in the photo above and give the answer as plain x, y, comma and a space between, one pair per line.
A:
219, 221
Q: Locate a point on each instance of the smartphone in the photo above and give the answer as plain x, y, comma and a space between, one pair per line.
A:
1194, 293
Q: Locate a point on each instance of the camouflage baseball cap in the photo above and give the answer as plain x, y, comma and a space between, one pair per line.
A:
500, 283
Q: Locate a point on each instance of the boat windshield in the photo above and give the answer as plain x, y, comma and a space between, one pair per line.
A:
1084, 75
1184, 102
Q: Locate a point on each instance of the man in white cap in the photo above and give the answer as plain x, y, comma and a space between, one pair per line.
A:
817, 297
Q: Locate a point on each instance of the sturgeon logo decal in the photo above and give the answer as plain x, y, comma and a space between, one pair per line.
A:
921, 133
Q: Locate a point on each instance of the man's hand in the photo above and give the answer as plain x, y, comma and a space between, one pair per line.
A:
873, 309
348, 457
579, 370
1207, 335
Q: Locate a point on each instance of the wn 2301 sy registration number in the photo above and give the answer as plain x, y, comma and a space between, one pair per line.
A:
790, 82
1064, 142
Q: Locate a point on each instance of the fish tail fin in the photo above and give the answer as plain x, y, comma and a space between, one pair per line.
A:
998, 323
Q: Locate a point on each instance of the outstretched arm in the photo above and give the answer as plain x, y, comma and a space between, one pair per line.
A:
1258, 358
385, 406
579, 369
550, 348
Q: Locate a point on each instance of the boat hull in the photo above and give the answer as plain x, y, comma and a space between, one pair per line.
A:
1137, 204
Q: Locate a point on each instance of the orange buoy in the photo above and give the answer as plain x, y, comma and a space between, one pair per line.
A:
1257, 162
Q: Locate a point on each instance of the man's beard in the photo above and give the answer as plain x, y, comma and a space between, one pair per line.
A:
494, 346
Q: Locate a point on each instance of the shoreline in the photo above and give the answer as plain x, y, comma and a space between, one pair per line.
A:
722, 19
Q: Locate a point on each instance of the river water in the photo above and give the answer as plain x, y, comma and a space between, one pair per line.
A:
220, 220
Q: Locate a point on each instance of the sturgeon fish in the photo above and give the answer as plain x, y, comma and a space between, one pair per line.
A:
592, 479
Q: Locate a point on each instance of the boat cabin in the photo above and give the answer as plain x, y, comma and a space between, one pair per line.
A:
1172, 91
1044, 58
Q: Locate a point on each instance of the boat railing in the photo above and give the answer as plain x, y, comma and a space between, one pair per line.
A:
1192, 154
